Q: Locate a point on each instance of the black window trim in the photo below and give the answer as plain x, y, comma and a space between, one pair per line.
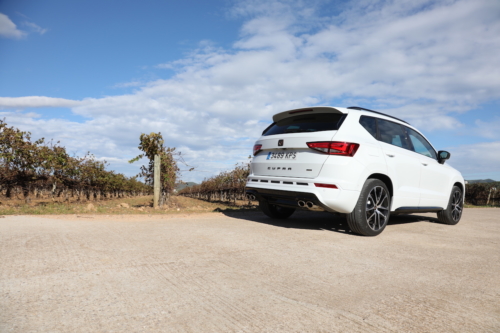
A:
376, 126
405, 130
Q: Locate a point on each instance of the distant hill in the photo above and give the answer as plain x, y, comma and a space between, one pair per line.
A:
182, 186
477, 181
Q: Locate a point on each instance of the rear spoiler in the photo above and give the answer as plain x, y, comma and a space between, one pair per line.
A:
290, 113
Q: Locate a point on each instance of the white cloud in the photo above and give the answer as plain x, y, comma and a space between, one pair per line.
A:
423, 61
480, 158
490, 129
35, 102
36, 28
8, 29
129, 84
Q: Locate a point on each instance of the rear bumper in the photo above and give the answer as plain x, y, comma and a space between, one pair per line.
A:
288, 192
287, 198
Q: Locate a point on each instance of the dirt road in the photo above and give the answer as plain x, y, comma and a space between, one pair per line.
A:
246, 273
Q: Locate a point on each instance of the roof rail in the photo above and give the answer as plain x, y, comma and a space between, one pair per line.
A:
383, 114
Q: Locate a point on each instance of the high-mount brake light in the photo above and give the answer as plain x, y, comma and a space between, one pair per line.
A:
335, 147
256, 149
325, 185
299, 111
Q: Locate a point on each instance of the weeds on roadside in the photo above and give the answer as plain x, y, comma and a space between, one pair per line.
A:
136, 205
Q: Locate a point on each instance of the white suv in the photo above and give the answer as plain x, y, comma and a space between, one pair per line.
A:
354, 161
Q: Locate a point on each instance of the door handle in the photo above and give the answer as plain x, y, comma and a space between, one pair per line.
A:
390, 155
425, 164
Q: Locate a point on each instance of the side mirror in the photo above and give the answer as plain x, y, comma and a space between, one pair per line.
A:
443, 155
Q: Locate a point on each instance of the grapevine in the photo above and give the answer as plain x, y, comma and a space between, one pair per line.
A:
227, 186
35, 169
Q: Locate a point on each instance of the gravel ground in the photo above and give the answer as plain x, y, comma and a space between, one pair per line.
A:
242, 272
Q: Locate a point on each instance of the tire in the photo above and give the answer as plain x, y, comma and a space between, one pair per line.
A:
452, 214
372, 211
275, 212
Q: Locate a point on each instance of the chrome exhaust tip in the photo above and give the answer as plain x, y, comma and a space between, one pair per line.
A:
301, 203
310, 204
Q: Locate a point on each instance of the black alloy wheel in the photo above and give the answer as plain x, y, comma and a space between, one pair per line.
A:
372, 211
377, 208
457, 206
453, 213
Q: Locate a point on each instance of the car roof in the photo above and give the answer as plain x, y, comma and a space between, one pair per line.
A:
342, 110
377, 112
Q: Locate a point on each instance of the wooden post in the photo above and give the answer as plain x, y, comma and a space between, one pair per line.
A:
489, 195
157, 185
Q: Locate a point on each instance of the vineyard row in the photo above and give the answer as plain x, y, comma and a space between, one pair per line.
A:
36, 169
227, 186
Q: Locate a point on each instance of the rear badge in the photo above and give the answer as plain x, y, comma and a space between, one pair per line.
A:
280, 143
282, 168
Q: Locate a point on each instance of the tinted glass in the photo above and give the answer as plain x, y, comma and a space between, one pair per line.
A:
369, 124
306, 123
392, 133
420, 144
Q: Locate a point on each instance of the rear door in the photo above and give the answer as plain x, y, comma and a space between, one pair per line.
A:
402, 163
284, 151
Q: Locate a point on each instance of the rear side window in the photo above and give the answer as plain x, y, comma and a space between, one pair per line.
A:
306, 123
370, 124
392, 133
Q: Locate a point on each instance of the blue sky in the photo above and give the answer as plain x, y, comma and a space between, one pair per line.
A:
210, 74
90, 47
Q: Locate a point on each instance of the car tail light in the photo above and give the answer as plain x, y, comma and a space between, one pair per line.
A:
256, 149
325, 185
335, 148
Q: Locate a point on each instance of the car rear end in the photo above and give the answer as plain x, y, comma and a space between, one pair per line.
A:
307, 159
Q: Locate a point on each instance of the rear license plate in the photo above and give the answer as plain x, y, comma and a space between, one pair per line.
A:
281, 155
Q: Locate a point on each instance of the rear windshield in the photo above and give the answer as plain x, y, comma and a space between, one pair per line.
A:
306, 123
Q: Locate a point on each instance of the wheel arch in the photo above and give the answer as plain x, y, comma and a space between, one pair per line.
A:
385, 179
461, 186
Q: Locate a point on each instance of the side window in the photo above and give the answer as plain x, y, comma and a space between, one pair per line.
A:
392, 133
420, 144
369, 124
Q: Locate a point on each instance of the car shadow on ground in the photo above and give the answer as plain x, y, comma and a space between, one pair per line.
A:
319, 220
299, 220
403, 219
